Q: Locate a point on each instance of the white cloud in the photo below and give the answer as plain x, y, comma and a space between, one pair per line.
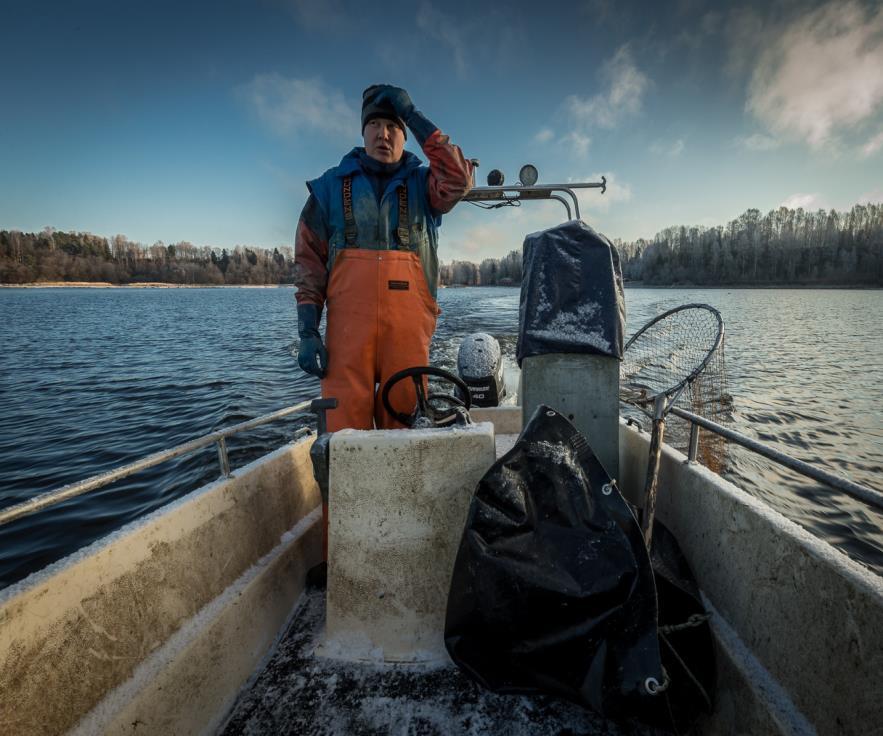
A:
578, 142
544, 135
289, 106
445, 29
670, 150
626, 87
806, 201
757, 142
821, 74
873, 145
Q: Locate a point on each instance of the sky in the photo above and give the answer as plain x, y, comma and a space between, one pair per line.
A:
202, 121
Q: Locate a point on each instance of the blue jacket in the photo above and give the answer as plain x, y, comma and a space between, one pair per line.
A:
376, 226
432, 191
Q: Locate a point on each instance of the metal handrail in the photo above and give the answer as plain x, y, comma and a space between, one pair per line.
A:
50, 498
855, 490
536, 191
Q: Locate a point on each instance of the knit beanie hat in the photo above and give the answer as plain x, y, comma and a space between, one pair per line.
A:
372, 109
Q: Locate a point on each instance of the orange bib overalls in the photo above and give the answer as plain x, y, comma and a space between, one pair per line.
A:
381, 317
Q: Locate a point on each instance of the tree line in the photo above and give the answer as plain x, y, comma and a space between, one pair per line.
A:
784, 247
52, 255
490, 272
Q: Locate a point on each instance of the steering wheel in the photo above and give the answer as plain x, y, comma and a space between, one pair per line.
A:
424, 407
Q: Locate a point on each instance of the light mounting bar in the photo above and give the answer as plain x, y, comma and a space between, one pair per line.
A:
516, 193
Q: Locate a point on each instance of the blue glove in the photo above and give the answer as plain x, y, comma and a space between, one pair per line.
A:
397, 99
311, 355
400, 102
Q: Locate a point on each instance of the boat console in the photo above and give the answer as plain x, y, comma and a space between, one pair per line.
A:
398, 501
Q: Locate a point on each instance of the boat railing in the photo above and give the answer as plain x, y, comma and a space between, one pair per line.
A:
855, 490
50, 498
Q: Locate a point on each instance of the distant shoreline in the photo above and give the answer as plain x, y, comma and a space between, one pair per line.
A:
627, 284
142, 285
640, 285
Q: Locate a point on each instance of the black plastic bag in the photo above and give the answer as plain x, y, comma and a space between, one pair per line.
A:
552, 589
572, 298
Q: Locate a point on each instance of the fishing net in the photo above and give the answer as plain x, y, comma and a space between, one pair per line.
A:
675, 354
708, 397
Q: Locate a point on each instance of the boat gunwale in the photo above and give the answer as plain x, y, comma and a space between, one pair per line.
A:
41, 502
76, 599
45, 500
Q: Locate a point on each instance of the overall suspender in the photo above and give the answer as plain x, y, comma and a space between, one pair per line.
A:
349, 222
350, 232
402, 231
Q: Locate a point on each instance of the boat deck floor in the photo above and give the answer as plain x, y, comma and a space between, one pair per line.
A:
300, 692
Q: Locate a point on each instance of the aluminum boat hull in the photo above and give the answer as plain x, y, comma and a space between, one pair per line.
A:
155, 629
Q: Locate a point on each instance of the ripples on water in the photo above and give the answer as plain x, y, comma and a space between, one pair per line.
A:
91, 379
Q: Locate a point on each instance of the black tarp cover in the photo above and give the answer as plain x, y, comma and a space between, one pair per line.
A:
571, 293
552, 589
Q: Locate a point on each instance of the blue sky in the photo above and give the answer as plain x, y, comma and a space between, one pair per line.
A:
201, 121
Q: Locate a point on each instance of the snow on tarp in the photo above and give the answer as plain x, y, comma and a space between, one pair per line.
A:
553, 591
571, 293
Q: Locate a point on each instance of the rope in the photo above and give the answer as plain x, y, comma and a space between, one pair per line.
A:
697, 619
686, 669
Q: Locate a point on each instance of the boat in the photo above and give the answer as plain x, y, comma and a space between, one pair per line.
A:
175, 623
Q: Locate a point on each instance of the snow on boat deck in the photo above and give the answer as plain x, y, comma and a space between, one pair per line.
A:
299, 692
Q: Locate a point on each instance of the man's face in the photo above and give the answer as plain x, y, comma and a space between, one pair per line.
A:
384, 140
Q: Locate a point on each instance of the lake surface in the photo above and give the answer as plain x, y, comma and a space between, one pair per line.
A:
91, 379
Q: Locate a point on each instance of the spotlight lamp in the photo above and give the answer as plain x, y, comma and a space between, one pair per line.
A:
528, 175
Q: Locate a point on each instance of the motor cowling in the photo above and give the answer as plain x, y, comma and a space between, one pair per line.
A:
480, 365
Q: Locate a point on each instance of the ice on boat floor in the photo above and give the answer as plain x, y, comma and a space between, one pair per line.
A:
299, 692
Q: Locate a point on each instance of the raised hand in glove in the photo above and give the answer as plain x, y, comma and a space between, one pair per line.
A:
396, 98
312, 355
401, 104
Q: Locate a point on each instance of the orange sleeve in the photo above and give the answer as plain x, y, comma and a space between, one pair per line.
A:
450, 173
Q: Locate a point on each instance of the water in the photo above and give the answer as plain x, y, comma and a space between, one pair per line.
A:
94, 378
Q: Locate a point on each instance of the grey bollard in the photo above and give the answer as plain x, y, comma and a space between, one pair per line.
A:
570, 336
585, 389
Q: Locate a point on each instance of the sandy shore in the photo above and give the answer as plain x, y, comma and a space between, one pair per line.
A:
144, 285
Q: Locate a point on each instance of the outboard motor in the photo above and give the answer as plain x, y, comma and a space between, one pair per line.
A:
480, 365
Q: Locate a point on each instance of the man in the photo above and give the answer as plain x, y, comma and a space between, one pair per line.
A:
366, 248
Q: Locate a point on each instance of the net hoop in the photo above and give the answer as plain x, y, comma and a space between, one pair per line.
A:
677, 387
